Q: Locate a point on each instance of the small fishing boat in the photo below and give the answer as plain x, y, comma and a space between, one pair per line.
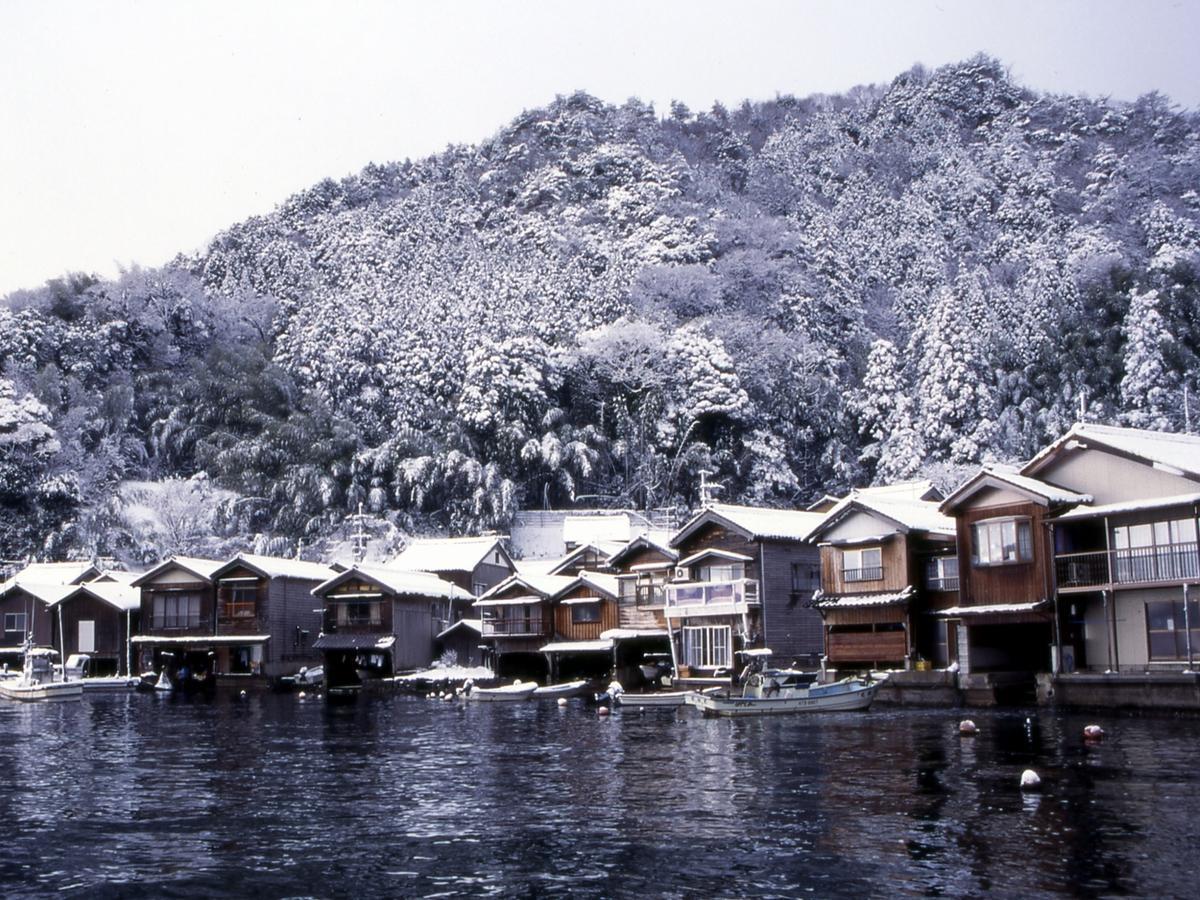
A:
79, 668
508, 693
657, 698
36, 680
306, 679
768, 697
553, 691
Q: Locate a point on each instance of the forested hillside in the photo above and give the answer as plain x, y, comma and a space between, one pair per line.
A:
599, 302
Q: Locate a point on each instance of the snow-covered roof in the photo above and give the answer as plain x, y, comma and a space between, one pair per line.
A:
121, 596
758, 523
629, 634
110, 575
57, 572
1128, 506
856, 601
475, 625
1180, 452
523, 600
47, 593
413, 584
537, 566
904, 508
201, 568
544, 585
714, 552
577, 646
645, 541
999, 476
460, 554
956, 612
604, 583
604, 549
201, 640
586, 529
278, 567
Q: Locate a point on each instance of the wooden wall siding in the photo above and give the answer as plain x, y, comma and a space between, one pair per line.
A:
641, 557
630, 615
872, 615
37, 618
110, 627
896, 569
867, 646
792, 628
208, 603
712, 536
385, 614
290, 605
489, 574
253, 624
1010, 583
413, 628
566, 630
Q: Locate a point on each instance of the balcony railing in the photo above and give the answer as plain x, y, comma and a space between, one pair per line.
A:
702, 594
239, 610
866, 573
1139, 565
165, 623
521, 627
949, 583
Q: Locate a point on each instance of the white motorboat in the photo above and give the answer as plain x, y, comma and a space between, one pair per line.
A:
521, 690
553, 691
657, 698
37, 679
78, 668
770, 697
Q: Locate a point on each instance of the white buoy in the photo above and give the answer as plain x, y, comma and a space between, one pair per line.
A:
562, 701
967, 728
242, 695
303, 695
602, 711
1093, 733
448, 699
1030, 780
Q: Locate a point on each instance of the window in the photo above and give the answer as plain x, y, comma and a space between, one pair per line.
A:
707, 647
360, 613
240, 603
478, 588
585, 612
941, 573
806, 577
176, 611
14, 623
1166, 628
999, 541
723, 572
862, 565
1158, 551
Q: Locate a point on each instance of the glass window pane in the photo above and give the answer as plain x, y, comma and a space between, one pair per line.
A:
1183, 531
1162, 533
1008, 532
995, 544
872, 558
1024, 540
1141, 536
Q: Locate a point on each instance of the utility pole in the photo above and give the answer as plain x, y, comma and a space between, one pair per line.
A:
360, 537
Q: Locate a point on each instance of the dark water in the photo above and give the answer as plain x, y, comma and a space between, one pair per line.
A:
272, 796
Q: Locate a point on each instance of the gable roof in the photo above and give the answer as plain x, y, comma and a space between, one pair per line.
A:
461, 554
201, 568
58, 572
604, 548
1180, 452
542, 585
906, 512
998, 476
644, 542
119, 595
406, 584
277, 567
49, 594
757, 523
608, 585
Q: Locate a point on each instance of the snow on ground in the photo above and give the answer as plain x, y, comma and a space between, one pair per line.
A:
447, 673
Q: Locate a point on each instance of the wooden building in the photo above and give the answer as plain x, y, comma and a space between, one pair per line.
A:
589, 557
461, 642
267, 596
178, 619
475, 564
1003, 622
25, 601
584, 612
518, 621
378, 622
99, 618
887, 560
745, 578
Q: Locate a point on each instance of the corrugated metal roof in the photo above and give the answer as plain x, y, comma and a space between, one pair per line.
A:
279, 567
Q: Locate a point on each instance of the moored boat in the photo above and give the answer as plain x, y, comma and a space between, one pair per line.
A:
766, 698
505, 693
36, 680
657, 698
553, 691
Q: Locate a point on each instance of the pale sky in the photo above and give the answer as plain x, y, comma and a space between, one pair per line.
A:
131, 130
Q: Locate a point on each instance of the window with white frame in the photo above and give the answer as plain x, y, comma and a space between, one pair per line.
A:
708, 646
995, 542
862, 564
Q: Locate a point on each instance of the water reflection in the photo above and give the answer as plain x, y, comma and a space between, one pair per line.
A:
272, 795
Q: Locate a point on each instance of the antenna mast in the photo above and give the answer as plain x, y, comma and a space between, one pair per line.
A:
360, 537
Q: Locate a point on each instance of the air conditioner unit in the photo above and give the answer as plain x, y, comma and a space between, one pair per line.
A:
681, 574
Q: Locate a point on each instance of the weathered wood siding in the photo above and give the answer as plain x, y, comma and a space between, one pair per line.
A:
894, 560
37, 618
412, 625
1023, 582
490, 574
109, 627
255, 624
208, 604
712, 536
291, 609
792, 628
352, 587
566, 630
630, 615
867, 646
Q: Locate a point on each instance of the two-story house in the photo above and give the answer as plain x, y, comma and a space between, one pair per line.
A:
517, 621
744, 578
583, 613
378, 622
178, 618
887, 559
475, 564
99, 618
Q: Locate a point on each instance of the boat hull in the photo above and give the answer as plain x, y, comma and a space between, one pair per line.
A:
502, 694
824, 698
663, 698
54, 690
552, 691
